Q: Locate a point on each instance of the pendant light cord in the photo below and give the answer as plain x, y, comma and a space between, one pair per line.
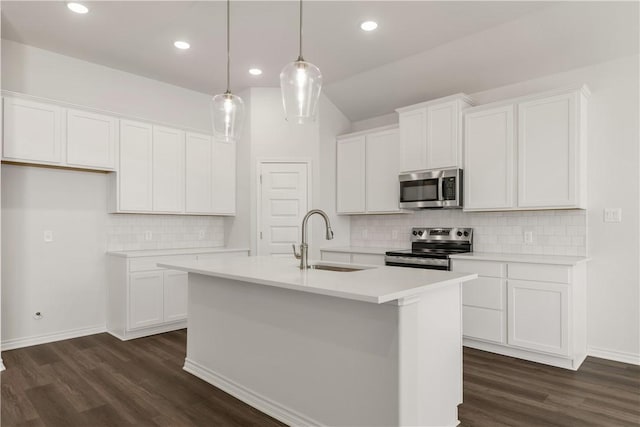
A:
300, 34
228, 49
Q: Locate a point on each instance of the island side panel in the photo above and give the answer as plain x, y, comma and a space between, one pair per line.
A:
303, 358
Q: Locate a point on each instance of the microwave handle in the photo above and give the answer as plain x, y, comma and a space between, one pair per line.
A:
440, 189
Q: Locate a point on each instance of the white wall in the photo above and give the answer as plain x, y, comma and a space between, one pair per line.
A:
613, 181
72, 203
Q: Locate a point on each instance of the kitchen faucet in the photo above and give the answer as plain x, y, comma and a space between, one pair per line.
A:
304, 247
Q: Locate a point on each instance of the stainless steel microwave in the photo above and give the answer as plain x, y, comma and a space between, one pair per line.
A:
431, 189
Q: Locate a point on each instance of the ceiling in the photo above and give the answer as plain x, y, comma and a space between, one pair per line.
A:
421, 49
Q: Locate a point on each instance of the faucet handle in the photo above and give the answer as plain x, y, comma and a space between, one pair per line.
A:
295, 253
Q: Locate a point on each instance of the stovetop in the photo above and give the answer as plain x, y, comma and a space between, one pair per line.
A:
437, 243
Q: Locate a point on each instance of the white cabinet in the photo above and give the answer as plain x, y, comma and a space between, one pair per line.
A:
224, 178
210, 175
144, 299
175, 295
367, 172
32, 131
168, 170
135, 174
527, 310
489, 179
350, 179
539, 316
548, 152
527, 153
352, 257
91, 140
431, 134
198, 154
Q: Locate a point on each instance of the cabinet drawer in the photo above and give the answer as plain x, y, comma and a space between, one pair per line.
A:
540, 273
221, 255
150, 263
486, 292
483, 323
371, 259
336, 256
483, 268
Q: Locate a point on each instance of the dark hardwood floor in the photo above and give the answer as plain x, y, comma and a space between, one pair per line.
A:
101, 381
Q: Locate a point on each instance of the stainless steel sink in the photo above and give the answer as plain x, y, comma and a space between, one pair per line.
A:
336, 268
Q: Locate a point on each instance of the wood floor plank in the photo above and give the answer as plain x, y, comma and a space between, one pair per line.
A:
99, 381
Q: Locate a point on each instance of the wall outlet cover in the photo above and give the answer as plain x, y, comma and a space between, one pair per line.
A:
148, 235
48, 236
612, 214
528, 237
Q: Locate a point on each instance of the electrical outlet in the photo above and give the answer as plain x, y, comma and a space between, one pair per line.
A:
528, 237
148, 235
37, 315
612, 214
365, 233
48, 236
201, 235
394, 234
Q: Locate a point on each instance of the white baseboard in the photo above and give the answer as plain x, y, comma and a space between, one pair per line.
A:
56, 336
618, 356
269, 407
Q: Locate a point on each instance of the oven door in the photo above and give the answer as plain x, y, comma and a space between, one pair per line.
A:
417, 262
431, 189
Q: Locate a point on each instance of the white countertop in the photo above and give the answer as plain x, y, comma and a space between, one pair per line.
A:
375, 284
359, 250
526, 258
181, 251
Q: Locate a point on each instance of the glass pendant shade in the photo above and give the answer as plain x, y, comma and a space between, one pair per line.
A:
300, 82
227, 111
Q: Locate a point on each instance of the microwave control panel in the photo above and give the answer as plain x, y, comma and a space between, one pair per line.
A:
449, 188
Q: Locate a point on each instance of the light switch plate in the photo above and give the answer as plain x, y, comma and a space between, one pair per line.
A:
148, 235
48, 236
612, 214
528, 237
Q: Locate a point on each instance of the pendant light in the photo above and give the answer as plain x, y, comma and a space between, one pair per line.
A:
227, 109
300, 82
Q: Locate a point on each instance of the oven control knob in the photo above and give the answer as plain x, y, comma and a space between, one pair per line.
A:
459, 233
415, 233
466, 234
420, 233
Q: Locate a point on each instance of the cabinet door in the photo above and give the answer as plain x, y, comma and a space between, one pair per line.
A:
175, 295
168, 170
146, 299
547, 154
538, 316
32, 131
483, 324
350, 179
382, 169
489, 159
413, 140
198, 188
442, 136
224, 178
91, 139
135, 174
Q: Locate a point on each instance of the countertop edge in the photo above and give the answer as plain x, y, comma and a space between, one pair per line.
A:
523, 258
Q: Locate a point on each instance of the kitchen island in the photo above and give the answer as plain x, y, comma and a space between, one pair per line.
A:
379, 346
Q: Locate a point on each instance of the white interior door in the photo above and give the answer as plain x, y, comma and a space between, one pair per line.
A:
283, 204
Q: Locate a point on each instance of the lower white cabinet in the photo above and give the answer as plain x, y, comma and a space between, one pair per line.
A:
531, 311
352, 257
144, 299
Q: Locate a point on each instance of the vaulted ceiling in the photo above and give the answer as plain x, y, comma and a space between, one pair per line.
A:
421, 49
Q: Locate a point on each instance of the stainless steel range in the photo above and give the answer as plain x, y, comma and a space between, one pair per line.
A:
431, 248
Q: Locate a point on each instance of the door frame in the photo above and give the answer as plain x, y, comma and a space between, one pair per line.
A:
268, 160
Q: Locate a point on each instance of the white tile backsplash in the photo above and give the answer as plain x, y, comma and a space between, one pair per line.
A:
127, 232
558, 232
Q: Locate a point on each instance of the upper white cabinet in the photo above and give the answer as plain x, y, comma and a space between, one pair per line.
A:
198, 154
91, 140
527, 153
32, 131
135, 174
368, 164
350, 179
168, 170
431, 134
489, 180
224, 178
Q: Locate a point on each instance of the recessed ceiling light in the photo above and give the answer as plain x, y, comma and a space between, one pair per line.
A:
369, 25
255, 71
181, 44
77, 7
